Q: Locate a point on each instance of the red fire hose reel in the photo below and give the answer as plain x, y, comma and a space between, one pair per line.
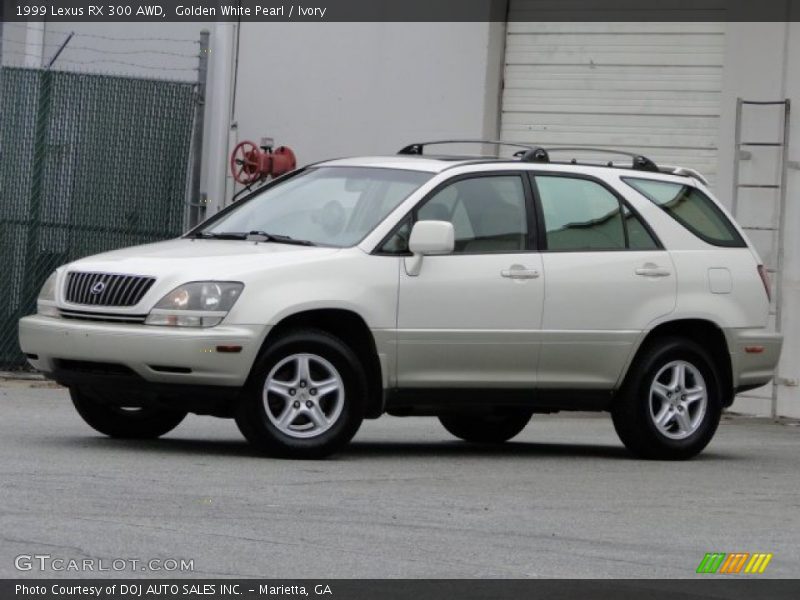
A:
251, 163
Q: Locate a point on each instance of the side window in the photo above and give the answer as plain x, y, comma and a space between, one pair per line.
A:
638, 236
445, 206
691, 208
580, 215
398, 241
488, 213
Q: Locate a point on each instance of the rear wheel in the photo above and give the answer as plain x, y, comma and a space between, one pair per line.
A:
671, 405
486, 429
306, 397
118, 422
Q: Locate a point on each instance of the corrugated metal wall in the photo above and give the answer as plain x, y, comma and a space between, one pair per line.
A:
649, 87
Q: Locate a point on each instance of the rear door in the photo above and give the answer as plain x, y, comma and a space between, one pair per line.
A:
608, 278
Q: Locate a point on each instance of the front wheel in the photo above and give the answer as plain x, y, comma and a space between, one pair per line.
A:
671, 405
118, 422
306, 397
486, 429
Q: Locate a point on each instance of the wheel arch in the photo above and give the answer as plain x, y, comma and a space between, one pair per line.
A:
704, 332
351, 328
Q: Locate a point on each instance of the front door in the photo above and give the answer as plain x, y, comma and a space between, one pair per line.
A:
472, 318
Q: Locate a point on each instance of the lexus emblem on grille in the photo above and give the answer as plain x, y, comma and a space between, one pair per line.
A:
98, 287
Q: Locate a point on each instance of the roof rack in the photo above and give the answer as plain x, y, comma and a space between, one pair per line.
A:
640, 162
534, 153
529, 152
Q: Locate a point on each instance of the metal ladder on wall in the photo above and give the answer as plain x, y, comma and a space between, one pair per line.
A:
777, 229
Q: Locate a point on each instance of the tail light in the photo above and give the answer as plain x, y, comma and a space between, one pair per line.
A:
762, 272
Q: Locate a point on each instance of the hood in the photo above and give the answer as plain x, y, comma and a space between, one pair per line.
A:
191, 259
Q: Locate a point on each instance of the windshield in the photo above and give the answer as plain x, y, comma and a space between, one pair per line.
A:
329, 206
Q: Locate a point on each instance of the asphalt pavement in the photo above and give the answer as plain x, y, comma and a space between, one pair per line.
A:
405, 500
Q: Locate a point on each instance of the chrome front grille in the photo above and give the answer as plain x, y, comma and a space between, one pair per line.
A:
106, 289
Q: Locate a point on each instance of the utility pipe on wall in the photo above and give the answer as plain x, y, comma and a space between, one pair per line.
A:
219, 93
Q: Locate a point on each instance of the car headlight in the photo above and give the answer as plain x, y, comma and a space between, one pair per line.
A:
46, 302
197, 304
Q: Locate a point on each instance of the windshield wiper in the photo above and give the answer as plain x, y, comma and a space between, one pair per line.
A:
225, 235
280, 239
240, 235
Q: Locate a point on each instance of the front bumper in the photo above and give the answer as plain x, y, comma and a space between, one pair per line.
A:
754, 356
156, 355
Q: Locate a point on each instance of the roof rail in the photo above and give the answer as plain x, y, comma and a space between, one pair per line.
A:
536, 153
640, 162
530, 152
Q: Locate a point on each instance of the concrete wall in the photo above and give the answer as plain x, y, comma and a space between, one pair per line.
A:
340, 89
762, 62
789, 397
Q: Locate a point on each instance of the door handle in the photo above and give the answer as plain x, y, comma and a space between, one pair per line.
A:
652, 270
519, 272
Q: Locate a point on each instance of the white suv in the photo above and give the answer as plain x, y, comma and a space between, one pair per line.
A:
477, 290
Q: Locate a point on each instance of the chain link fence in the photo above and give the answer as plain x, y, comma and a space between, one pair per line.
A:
88, 163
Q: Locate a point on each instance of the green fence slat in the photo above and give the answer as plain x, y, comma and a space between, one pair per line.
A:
88, 163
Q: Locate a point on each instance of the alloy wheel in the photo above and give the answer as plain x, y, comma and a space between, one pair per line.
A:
303, 395
678, 399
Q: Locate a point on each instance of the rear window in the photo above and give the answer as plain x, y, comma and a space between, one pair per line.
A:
691, 208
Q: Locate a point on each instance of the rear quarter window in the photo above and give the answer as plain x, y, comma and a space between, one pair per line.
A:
691, 208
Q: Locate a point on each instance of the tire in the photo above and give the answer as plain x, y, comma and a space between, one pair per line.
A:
486, 429
141, 423
662, 415
283, 414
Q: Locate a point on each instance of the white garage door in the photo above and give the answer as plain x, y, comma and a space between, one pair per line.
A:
652, 88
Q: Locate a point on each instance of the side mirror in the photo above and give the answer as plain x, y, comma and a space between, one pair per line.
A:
429, 238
